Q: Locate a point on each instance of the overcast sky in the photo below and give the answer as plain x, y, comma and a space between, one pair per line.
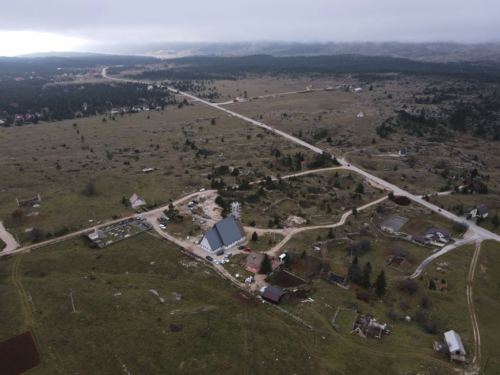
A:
66, 25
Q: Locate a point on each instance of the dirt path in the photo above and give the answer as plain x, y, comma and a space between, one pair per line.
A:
444, 250
8, 238
470, 302
276, 249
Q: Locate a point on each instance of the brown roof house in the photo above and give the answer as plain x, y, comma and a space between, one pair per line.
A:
253, 262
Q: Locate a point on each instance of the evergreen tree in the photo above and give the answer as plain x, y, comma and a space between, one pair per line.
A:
330, 233
354, 272
255, 237
432, 285
265, 267
367, 272
355, 212
495, 221
380, 284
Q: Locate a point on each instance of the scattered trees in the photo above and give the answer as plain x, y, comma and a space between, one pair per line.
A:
255, 237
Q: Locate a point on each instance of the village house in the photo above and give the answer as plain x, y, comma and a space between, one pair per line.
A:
471, 184
254, 261
367, 325
452, 346
136, 201
137, 107
478, 212
438, 234
225, 234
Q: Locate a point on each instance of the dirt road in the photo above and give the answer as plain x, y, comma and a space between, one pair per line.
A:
470, 302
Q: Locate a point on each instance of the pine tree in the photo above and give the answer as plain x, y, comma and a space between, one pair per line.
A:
367, 272
354, 272
380, 284
330, 233
432, 285
255, 237
495, 221
265, 267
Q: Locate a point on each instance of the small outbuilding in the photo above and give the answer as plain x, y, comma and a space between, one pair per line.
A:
402, 152
272, 294
454, 342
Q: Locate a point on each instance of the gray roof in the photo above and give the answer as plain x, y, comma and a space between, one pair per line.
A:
454, 342
445, 232
224, 233
483, 209
229, 230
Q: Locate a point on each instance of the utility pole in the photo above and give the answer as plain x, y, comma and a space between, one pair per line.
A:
72, 303
17, 237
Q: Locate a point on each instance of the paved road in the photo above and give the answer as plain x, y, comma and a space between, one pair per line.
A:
481, 232
8, 238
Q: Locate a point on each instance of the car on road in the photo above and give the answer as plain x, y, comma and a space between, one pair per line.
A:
248, 249
209, 258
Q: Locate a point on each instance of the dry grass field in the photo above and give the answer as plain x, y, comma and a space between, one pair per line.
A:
57, 160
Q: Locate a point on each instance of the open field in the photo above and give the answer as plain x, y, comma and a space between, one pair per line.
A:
151, 336
487, 304
64, 158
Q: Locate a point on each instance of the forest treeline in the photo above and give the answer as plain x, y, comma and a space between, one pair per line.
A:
232, 68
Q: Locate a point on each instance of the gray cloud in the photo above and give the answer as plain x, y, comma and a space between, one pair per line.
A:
104, 22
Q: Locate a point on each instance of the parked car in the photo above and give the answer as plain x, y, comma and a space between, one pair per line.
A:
219, 253
170, 199
203, 221
193, 211
180, 216
205, 216
138, 211
241, 247
209, 258
228, 255
145, 209
162, 226
248, 249
202, 189
195, 201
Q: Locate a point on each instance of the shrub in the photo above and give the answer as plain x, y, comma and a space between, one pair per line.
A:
433, 328
425, 302
421, 316
409, 286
